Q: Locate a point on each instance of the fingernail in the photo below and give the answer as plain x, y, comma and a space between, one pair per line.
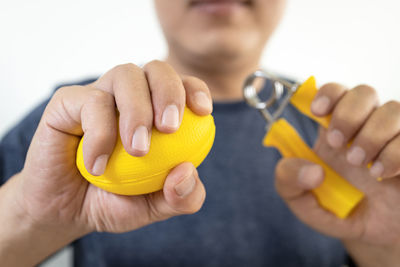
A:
100, 165
310, 176
335, 138
320, 105
203, 100
376, 169
170, 117
186, 186
140, 139
356, 156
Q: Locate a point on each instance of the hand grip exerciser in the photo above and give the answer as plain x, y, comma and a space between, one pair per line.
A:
129, 175
335, 194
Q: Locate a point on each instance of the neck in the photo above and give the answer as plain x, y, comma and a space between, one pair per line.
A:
225, 81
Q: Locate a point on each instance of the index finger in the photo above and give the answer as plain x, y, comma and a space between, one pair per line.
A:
129, 85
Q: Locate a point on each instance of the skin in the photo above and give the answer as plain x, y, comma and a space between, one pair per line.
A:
49, 204
221, 50
371, 232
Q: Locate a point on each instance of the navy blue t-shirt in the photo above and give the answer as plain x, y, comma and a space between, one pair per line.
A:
243, 221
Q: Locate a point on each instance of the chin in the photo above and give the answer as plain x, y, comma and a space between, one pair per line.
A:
219, 57
228, 46
218, 49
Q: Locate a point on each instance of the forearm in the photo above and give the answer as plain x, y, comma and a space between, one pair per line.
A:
24, 241
365, 255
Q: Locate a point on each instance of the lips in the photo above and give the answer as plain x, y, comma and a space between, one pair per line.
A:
216, 2
219, 7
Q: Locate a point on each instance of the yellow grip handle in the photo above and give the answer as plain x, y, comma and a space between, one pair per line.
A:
302, 101
335, 194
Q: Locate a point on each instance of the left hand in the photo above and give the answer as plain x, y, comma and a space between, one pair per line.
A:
372, 232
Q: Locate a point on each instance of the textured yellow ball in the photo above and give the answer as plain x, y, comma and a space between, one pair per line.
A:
128, 175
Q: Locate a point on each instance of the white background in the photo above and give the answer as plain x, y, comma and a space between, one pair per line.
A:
44, 43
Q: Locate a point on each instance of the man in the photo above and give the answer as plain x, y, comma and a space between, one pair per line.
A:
46, 204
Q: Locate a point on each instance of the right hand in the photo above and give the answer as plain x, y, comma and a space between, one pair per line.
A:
50, 188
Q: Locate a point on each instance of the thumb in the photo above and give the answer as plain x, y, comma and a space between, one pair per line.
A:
183, 193
295, 178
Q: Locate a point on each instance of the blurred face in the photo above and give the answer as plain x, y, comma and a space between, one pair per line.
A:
218, 31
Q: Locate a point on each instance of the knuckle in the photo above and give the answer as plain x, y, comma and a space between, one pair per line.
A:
364, 89
153, 213
63, 91
160, 68
332, 88
155, 63
125, 68
100, 97
392, 107
58, 95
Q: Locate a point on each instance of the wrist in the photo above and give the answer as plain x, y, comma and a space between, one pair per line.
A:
368, 255
24, 239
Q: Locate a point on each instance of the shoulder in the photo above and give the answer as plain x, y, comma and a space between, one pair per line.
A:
15, 143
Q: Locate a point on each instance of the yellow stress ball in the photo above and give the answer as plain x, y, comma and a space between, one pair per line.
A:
129, 175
